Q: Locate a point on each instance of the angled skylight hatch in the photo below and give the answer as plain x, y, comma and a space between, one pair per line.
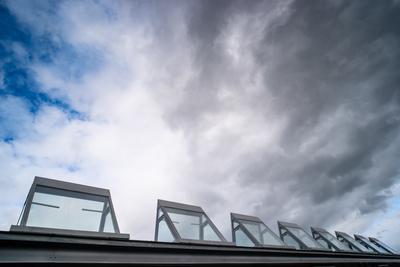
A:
177, 222
59, 207
250, 231
328, 241
366, 243
352, 243
382, 245
293, 235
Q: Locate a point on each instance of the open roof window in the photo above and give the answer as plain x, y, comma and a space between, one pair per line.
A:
352, 243
250, 231
293, 234
382, 245
178, 222
366, 243
328, 241
54, 206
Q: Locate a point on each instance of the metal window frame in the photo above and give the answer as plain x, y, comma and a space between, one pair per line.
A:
284, 230
317, 234
382, 245
73, 188
361, 239
342, 236
164, 205
238, 218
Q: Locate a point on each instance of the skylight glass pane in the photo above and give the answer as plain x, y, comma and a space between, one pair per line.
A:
62, 209
209, 234
304, 237
291, 241
262, 233
383, 245
108, 224
373, 245
356, 244
186, 223
270, 238
242, 239
334, 241
254, 229
164, 234
325, 244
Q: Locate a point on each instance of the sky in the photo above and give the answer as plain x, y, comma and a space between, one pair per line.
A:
286, 110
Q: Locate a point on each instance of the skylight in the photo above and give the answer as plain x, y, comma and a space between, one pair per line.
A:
366, 243
178, 222
251, 231
293, 234
353, 244
382, 245
328, 240
53, 205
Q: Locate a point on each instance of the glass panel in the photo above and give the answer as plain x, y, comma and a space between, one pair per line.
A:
325, 244
164, 234
355, 243
186, 223
384, 246
262, 233
108, 224
192, 225
373, 245
62, 209
269, 238
334, 241
290, 241
209, 234
242, 239
304, 237
254, 229
208, 231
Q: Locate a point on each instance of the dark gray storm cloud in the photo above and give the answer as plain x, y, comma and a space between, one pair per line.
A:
330, 72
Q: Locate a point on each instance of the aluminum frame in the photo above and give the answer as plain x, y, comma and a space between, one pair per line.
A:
163, 205
343, 237
382, 245
70, 189
238, 218
366, 243
317, 234
284, 230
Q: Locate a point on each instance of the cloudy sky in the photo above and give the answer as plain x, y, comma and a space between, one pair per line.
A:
288, 110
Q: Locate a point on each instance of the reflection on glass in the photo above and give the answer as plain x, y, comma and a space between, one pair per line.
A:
262, 233
62, 209
192, 225
242, 239
291, 241
354, 243
164, 234
304, 237
372, 245
384, 246
334, 241
209, 234
325, 244
188, 226
108, 224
